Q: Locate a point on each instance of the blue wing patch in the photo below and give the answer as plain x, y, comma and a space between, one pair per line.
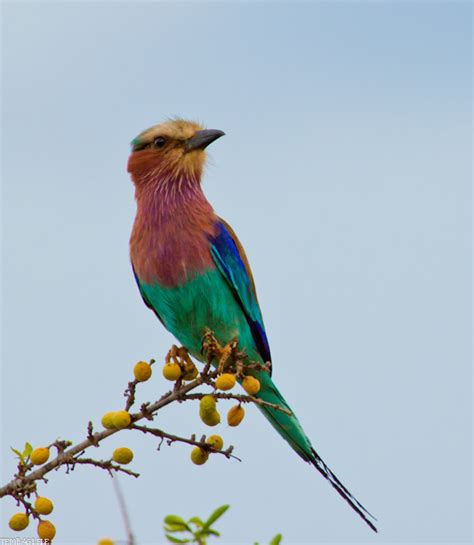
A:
230, 259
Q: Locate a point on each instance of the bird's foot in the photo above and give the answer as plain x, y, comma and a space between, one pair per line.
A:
176, 353
226, 352
215, 351
180, 355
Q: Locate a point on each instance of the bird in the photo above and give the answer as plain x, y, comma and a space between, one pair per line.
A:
192, 270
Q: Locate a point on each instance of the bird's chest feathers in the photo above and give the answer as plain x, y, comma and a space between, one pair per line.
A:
204, 301
171, 246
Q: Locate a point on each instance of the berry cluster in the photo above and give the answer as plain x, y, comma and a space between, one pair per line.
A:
232, 367
42, 506
210, 415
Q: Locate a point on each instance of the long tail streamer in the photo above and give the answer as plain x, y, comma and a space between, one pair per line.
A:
341, 489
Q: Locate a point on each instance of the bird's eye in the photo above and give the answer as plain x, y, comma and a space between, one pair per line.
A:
159, 141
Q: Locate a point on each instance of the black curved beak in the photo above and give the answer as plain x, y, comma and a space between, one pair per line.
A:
202, 139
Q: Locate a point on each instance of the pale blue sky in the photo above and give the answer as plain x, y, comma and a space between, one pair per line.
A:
346, 172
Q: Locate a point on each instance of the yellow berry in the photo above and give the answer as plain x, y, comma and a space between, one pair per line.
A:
191, 372
208, 412
210, 418
251, 385
207, 404
121, 419
19, 521
199, 456
226, 381
235, 415
39, 456
142, 371
105, 541
171, 371
108, 421
215, 441
44, 506
122, 455
46, 530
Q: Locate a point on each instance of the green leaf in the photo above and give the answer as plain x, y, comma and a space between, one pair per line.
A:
216, 515
175, 528
28, 450
276, 540
176, 540
19, 454
197, 521
213, 532
174, 519
173, 523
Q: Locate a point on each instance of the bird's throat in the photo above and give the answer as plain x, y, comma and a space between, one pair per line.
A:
170, 236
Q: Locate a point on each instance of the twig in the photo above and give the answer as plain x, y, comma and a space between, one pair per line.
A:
123, 510
131, 390
242, 399
170, 438
103, 464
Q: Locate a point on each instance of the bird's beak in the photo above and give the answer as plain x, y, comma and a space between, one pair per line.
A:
202, 139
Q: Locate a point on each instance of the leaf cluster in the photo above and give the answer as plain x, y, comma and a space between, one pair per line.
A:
25, 455
196, 530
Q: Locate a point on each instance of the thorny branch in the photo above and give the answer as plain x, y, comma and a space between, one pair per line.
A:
170, 439
103, 464
242, 399
24, 483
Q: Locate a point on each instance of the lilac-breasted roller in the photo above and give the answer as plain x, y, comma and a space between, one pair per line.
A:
192, 271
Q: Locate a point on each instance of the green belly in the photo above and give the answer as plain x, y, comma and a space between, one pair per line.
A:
204, 301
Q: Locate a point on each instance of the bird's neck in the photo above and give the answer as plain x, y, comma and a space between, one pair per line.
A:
172, 227
179, 199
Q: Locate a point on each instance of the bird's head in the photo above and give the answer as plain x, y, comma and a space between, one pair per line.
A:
169, 152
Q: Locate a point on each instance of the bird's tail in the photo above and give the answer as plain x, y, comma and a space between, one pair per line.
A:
290, 429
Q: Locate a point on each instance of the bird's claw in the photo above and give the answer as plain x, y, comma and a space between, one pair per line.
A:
215, 351
226, 353
179, 355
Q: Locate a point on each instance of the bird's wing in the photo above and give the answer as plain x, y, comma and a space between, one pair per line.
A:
230, 258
